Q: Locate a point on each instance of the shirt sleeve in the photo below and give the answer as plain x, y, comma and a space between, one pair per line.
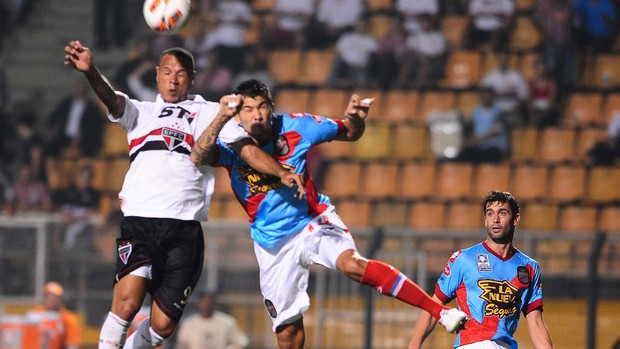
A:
450, 278
535, 300
130, 114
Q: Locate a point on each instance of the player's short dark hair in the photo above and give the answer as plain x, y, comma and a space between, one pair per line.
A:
185, 58
501, 196
254, 88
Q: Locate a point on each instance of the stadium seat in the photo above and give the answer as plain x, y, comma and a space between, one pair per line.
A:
454, 180
453, 28
490, 61
538, 216
603, 184
378, 5
399, 105
523, 144
577, 219
434, 101
567, 183
379, 180
466, 101
606, 71
583, 109
114, 140
117, 167
529, 181
335, 150
526, 64
292, 100
390, 213
556, 145
608, 219
427, 215
328, 102
611, 107
222, 184
410, 142
466, 215
374, 144
342, 179
263, 5
416, 180
379, 24
489, 177
525, 5
525, 35
463, 69
316, 66
354, 212
586, 138
284, 65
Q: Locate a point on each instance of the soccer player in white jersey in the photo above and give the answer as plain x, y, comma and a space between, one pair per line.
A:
161, 246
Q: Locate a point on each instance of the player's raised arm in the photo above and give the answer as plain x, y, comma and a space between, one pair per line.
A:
355, 116
81, 59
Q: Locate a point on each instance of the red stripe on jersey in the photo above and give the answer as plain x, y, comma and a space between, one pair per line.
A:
475, 331
341, 127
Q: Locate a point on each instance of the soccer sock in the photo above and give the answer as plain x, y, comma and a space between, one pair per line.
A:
391, 282
113, 332
144, 337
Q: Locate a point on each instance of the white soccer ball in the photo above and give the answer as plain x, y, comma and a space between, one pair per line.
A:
166, 16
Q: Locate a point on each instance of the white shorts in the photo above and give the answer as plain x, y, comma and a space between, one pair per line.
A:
488, 344
284, 269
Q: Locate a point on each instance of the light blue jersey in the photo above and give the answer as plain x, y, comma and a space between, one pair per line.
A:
493, 291
273, 210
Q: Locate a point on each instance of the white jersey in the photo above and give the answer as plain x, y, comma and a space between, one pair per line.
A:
162, 181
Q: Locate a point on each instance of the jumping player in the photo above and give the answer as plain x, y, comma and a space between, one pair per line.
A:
493, 283
160, 250
290, 234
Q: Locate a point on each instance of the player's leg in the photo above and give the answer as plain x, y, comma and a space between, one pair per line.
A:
129, 293
291, 336
182, 248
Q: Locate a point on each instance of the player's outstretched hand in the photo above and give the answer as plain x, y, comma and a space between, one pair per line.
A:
229, 106
358, 107
291, 179
78, 56
453, 320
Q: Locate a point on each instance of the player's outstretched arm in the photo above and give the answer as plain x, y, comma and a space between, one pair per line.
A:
81, 59
355, 116
423, 327
538, 331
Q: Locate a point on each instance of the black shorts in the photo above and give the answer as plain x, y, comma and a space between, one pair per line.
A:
175, 250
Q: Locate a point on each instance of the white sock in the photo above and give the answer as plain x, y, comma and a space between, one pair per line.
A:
113, 332
144, 337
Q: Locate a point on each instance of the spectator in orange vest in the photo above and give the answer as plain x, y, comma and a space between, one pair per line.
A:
70, 331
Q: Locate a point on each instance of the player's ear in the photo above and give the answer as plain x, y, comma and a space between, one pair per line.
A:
517, 219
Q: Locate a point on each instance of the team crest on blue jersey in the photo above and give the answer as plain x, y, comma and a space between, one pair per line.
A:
173, 138
483, 262
281, 146
523, 275
124, 251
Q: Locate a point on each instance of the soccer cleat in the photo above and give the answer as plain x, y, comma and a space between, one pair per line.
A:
453, 320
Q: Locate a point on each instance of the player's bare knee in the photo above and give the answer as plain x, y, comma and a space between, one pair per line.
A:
352, 264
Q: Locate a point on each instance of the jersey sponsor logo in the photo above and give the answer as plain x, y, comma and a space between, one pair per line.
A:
502, 298
282, 147
483, 262
177, 111
173, 138
271, 309
259, 182
523, 275
124, 251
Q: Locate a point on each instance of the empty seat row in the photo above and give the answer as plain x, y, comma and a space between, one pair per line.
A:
456, 181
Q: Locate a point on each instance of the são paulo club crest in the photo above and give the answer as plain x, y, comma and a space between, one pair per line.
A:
271, 309
124, 251
173, 138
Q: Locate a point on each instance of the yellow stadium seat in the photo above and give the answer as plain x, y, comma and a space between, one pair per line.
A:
329, 102
410, 142
583, 109
453, 28
463, 69
567, 183
284, 65
489, 177
603, 184
416, 180
464, 215
374, 144
538, 216
556, 144
454, 180
342, 179
315, 67
577, 219
525, 35
379, 180
292, 100
523, 144
427, 215
529, 181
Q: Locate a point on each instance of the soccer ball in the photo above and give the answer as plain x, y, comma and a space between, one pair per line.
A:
166, 16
